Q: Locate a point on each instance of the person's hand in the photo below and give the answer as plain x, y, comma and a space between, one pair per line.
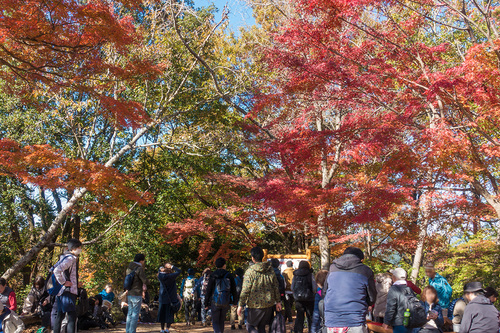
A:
162, 269
278, 307
68, 284
240, 311
45, 302
385, 326
370, 309
433, 315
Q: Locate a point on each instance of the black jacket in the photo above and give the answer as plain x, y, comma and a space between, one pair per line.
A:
480, 316
281, 281
303, 283
396, 305
220, 273
168, 286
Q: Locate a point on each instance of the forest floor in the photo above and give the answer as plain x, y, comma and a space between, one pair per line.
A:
177, 327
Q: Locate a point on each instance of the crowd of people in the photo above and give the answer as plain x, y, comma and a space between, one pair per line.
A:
342, 299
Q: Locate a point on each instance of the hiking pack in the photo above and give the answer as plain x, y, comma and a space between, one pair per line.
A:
129, 279
418, 315
222, 292
303, 288
189, 286
53, 286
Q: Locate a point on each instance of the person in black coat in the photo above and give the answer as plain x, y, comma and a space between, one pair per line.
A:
168, 295
304, 289
219, 311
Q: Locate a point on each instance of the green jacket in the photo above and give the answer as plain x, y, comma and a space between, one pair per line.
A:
140, 279
260, 287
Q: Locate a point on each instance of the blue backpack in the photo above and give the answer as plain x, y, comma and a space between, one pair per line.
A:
53, 286
222, 293
129, 280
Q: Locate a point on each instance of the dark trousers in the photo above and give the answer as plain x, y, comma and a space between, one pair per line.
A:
218, 318
304, 308
258, 319
190, 310
288, 307
57, 317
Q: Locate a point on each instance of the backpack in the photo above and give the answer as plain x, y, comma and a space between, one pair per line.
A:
418, 315
278, 325
451, 308
53, 286
189, 285
129, 280
281, 283
222, 292
303, 288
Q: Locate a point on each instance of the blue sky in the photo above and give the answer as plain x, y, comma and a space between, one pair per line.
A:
240, 14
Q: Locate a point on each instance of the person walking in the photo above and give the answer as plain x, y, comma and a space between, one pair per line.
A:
441, 285
188, 295
304, 290
221, 294
66, 274
349, 291
318, 313
238, 279
397, 302
480, 315
383, 284
435, 320
134, 295
203, 282
168, 296
260, 293
288, 276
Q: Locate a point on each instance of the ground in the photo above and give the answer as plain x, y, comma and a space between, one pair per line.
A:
177, 327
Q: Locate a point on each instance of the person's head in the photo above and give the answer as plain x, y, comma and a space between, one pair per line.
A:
491, 293
108, 288
430, 270
3, 285
140, 258
39, 283
239, 272
275, 263
289, 263
74, 246
191, 271
355, 251
220, 263
430, 295
472, 290
304, 264
206, 271
321, 277
257, 254
398, 274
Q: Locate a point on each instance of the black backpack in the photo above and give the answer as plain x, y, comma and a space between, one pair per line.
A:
278, 325
222, 292
418, 315
303, 288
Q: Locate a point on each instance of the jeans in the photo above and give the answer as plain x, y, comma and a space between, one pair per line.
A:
304, 308
401, 329
134, 309
58, 317
218, 317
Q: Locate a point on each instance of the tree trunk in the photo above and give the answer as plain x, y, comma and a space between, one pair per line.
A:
323, 242
419, 252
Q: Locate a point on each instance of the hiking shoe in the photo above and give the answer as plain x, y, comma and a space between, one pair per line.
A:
233, 327
240, 327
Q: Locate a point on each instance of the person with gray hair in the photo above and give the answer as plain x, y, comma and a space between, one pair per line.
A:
480, 315
396, 302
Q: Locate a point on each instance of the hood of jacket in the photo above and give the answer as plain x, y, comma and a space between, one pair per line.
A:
481, 300
302, 272
347, 262
276, 271
133, 265
263, 267
219, 273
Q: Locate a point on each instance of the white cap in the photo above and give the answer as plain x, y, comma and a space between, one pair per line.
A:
399, 273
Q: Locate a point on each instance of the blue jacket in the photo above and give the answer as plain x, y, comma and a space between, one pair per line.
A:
443, 289
349, 290
439, 321
168, 287
108, 297
316, 317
